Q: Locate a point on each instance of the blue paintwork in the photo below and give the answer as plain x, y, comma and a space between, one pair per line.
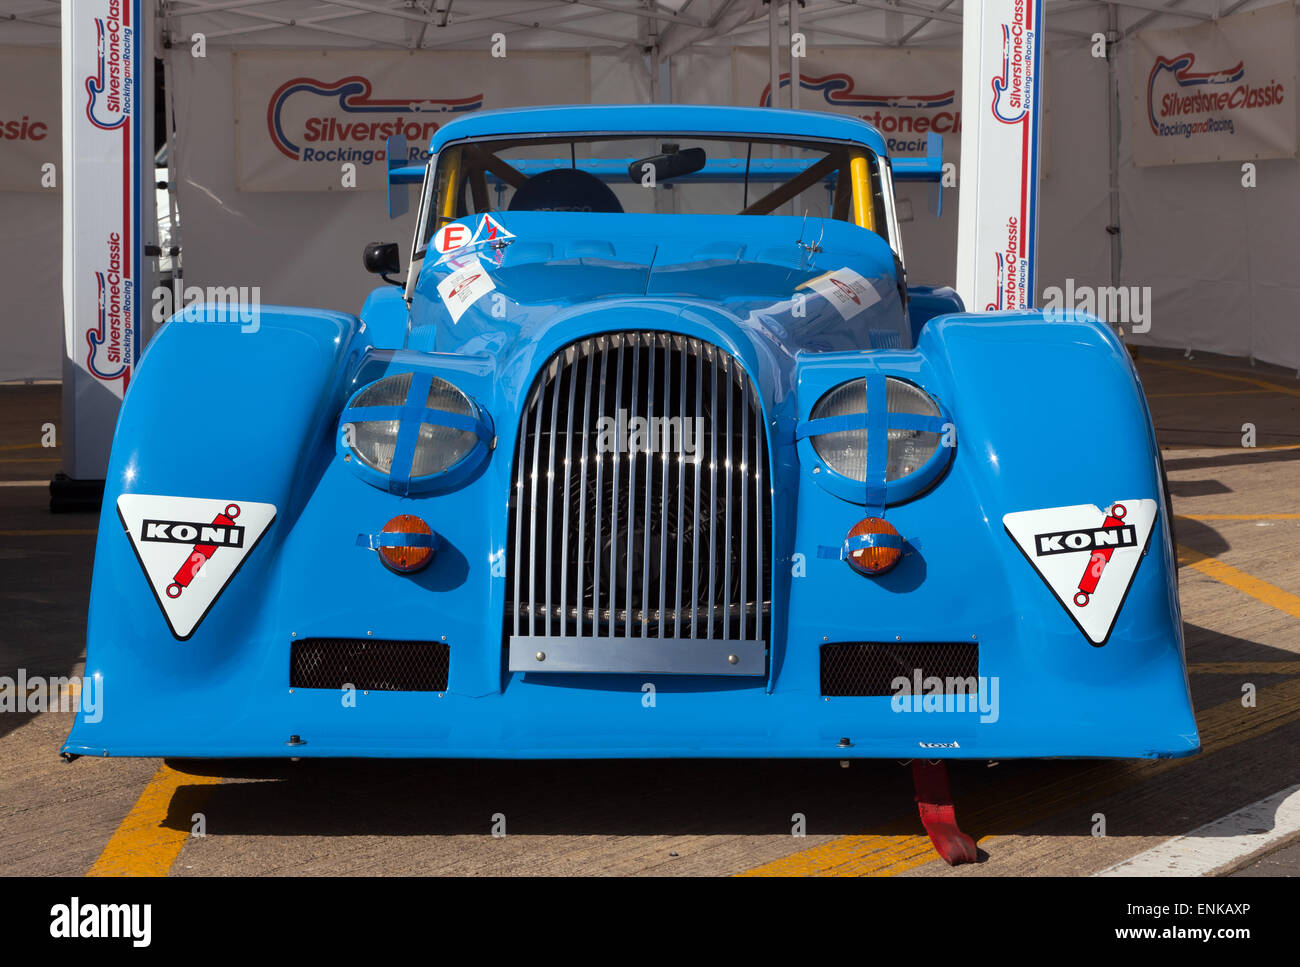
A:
924, 302
1048, 413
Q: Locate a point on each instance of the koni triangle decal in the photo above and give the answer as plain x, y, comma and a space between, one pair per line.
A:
1087, 556
190, 549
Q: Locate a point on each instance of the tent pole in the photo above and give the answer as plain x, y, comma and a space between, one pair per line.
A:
1112, 110
773, 56
795, 78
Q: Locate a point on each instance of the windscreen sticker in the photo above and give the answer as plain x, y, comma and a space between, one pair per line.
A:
190, 549
457, 235
1086, 556
465, 286
849, 292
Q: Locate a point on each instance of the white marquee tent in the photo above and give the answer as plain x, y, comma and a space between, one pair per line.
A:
1220, 260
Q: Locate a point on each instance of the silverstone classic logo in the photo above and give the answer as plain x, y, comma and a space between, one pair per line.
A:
893, 114
1012, 89
114, 336
109, 89
366, 121
1181, 101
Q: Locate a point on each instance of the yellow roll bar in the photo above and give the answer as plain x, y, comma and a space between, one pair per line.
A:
860, 175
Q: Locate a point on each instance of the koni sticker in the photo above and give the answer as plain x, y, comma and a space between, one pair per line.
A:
1087, 556
190, 549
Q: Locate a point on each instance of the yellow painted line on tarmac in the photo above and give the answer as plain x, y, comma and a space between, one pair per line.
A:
51, 532
1220, 728
1237, 516
1244, 668
24, 483
1271, 595
1262, 383
142, 845
1219, 392
1207, 448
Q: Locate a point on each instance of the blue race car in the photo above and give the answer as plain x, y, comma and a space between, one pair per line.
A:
653, 453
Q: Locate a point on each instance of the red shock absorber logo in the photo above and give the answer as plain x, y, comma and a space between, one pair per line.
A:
220, 532
1099, 559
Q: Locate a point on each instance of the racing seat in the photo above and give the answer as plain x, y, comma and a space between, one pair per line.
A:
565, 190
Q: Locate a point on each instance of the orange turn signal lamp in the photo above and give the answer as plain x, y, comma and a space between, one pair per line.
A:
405, 545
873, 546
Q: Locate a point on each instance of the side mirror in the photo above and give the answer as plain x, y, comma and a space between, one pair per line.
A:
383, 259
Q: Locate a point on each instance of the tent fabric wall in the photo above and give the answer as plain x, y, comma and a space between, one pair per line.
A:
31, 230
31, 273
1223, 261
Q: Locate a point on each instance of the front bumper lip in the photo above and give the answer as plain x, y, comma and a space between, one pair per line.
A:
593, 717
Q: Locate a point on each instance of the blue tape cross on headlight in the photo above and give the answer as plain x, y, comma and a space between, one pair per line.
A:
877, 421
409, 416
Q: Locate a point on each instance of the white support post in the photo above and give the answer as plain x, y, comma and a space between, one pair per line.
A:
997, 223
107, 73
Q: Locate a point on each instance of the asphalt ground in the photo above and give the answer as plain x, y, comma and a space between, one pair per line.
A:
1237, 524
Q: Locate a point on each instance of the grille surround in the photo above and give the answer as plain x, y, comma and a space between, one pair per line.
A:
369, 664
629, 544
868, 668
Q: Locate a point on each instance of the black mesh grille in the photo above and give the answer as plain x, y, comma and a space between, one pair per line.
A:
370, 664
870, 668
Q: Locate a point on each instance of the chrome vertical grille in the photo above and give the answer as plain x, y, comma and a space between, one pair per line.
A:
640, 506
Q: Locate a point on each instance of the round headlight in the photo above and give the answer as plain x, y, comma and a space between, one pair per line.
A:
447, 426
845, 451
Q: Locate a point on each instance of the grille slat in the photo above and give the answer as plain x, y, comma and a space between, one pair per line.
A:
630, 471
726, 562
695, 524
582, 489
532, 515
713, 477
649, 487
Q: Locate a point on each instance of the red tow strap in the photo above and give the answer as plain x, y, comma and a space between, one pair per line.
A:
934, 801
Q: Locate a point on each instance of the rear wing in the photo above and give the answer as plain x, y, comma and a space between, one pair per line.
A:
400, 175
928, 168
719, 171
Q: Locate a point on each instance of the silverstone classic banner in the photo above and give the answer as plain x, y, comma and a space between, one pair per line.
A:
907, 94
997, 225
299, 117
1217, 92
30, 126
101, 170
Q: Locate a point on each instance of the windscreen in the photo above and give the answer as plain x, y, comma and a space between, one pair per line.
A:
656, 174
